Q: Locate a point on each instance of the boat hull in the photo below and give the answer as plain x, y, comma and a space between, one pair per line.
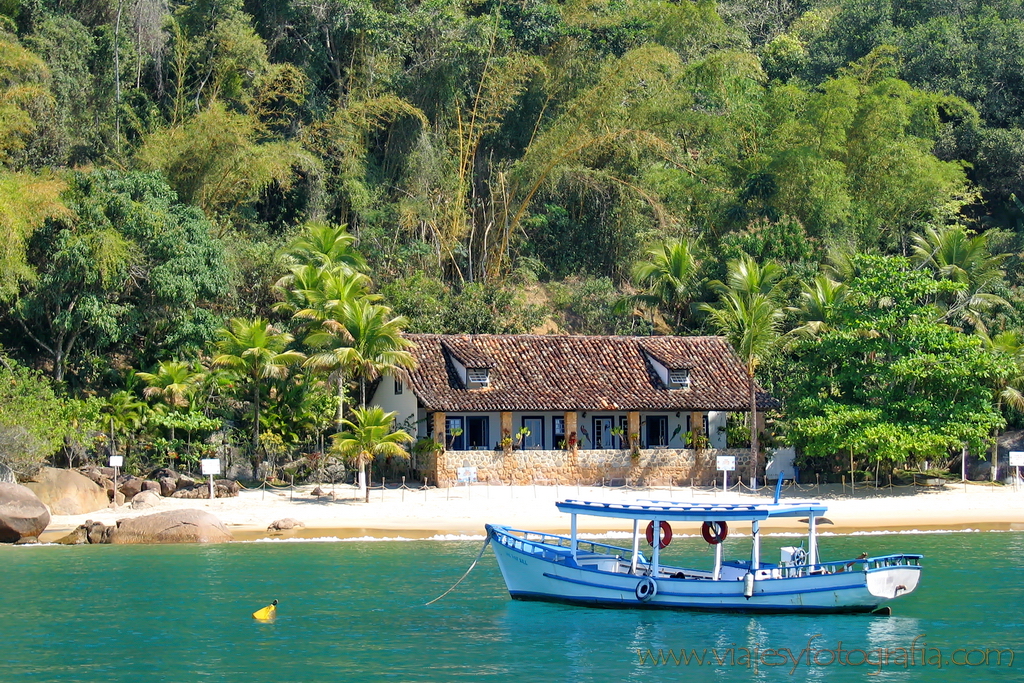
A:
534, 571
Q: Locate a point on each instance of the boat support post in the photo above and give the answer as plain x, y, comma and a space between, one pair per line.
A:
573, 544
655, 566
718, 561
812, 541
755, 551
636, 546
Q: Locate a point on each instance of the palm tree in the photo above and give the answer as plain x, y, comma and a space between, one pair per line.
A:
322, 296
955, 254
671, 277
749, 314
173, 384
1009, 390
819, 305
362, 341
255, 351
124, 414
746, 278
370, 435
326, 246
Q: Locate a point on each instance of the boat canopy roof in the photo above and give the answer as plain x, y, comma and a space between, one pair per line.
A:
691, 512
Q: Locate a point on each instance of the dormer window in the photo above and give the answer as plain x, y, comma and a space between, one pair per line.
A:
679, 379
477, 378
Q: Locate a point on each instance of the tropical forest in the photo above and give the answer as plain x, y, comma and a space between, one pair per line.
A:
220, 217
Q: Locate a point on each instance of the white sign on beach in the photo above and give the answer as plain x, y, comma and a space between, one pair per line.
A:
726, 463
466, 474
117, 461
1016, 458
210, 465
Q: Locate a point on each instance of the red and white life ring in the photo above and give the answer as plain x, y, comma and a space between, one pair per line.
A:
665, 536
714, 532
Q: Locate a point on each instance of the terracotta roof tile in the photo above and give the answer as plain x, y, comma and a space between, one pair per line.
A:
553, 372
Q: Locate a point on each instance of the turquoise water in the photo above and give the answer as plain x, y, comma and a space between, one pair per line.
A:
353, 611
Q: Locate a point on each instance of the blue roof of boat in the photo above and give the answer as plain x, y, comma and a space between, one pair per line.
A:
690, 512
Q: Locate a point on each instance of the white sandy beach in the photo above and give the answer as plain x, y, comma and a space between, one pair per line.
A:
418, 513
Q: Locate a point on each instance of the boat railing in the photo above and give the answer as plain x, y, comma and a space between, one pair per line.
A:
540, 543
856, 564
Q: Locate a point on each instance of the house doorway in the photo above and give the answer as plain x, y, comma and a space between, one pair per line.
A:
477, 433
603, 437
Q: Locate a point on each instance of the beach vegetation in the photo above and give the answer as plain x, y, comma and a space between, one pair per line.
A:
370, 434
178, 179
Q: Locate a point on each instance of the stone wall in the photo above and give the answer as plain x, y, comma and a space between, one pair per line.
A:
652, 467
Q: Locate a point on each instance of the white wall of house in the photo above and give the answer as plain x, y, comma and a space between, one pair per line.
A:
403, 403
716, 428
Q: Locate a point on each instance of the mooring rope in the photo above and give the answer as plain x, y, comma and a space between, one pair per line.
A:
478, 556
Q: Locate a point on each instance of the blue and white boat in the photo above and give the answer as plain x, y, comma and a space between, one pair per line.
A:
541, 566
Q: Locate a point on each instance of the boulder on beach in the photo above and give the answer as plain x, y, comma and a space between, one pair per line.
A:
90, 532
145, 499
286, 524
67, 492
131, 487
78, 536
171, 526
168, 485
22, 514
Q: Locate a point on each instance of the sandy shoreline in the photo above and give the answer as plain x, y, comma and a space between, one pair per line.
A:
424, 513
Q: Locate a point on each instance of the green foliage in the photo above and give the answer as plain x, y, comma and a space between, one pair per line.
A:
476, 149
253, 350
890, 382
477, 308
218, 161
130, 271
590, 306
33, 419
371, 434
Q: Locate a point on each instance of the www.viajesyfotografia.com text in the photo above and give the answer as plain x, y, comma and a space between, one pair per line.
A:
816, 653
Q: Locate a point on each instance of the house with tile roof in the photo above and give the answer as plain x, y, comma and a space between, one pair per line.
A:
565, 406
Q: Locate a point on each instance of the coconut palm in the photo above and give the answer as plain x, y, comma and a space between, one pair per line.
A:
124, 413
326, 246
255, 351
747, 278
173, 383
954, 253
670, 277
750, 316
368, 436
363, 342
819, 304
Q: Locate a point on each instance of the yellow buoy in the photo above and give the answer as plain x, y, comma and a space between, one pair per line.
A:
267, 613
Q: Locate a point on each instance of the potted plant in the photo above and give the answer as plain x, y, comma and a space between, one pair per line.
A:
506, 441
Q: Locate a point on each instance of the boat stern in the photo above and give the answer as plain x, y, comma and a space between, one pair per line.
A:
893, 582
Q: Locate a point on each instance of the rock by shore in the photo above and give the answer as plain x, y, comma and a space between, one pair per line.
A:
67, 492
170, 526
22, 514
